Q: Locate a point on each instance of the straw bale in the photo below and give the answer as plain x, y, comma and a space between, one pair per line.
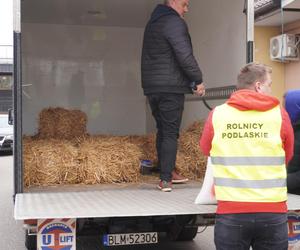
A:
190, 162
146, 144
49, 162
109, 160
151, 147
60, 123
194, 164
104, 158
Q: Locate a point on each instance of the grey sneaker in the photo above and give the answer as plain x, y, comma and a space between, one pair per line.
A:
165, 186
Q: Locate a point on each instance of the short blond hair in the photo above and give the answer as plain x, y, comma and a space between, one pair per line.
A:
252, 73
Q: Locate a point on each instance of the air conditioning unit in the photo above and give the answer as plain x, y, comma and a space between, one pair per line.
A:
284, 48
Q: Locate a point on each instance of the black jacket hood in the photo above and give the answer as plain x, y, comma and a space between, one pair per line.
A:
160, 11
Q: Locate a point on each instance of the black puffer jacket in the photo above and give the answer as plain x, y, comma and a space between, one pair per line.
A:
168, 63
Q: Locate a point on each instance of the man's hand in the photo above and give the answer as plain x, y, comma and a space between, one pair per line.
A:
200, 91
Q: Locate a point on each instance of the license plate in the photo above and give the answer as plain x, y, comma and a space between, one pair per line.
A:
130, 239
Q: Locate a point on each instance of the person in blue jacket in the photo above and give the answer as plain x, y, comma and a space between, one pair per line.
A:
292, 105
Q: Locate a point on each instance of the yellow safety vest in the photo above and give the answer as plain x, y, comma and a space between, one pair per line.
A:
247, 155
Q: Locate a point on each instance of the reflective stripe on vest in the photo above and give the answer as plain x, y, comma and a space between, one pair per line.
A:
232, 161
247, 155
227, 182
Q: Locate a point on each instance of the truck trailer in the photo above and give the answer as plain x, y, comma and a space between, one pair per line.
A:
86, 55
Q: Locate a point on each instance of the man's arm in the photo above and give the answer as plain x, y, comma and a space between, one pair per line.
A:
287, 135
207, 135
176, 32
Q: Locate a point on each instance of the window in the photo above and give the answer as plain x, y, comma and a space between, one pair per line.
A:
6, 81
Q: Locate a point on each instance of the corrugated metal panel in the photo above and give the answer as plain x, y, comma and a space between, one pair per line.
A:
109, 203
115, 203
214, 93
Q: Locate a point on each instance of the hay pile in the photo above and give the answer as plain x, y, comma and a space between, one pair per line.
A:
146, 143
49, 162
190, 161
53, 157
109, 160
92, 160
59, 123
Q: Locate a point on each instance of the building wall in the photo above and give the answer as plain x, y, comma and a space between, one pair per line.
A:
292, 69
6, 78
5, 100
262, 44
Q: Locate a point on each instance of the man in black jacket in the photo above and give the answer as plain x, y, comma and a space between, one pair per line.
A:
169, 70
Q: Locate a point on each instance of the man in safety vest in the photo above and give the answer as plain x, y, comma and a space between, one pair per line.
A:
250, 140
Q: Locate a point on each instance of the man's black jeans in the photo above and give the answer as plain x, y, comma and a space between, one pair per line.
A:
262, 231
167, 111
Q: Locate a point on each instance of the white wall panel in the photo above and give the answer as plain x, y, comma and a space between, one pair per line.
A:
94, 69
218, 31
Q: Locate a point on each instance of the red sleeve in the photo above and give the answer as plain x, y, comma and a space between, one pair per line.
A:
207, 135
287, 136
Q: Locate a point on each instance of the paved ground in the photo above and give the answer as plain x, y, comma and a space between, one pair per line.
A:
12, 234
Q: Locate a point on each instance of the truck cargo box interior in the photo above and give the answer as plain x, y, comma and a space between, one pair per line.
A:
86, 55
